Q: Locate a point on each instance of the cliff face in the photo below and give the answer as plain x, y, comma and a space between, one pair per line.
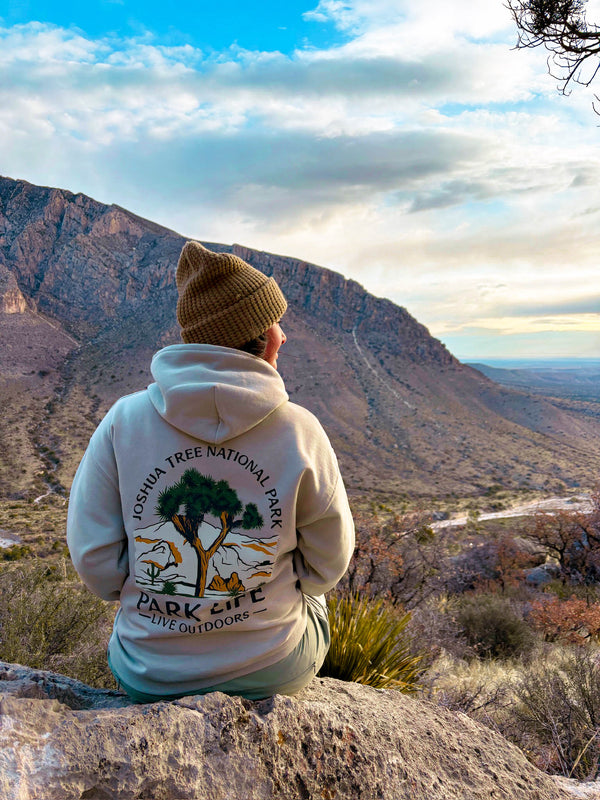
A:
78, 260
85, 262
347, 307
90, 290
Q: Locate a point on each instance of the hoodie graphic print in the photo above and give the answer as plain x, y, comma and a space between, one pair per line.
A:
204, 540
207, 505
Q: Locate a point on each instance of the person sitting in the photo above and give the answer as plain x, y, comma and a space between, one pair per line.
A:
211, 506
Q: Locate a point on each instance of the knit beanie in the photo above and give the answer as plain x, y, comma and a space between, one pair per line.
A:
223, 300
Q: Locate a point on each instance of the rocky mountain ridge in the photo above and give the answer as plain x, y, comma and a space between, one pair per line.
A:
87, 294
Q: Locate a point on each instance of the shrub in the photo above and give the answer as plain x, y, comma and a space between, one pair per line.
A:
490, 566
480, 689
48, 620
370, 644
434, 622
397, 556
573, 620
573, 539
15, 552
491, 627
558, 715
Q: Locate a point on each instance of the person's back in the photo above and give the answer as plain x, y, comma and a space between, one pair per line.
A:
212, 507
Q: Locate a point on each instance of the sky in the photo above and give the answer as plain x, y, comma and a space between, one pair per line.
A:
407, 145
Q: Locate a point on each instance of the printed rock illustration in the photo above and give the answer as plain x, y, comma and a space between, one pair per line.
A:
185, 505
233, 584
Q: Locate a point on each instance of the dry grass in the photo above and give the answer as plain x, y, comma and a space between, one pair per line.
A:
450, 678
550, 707
48, 620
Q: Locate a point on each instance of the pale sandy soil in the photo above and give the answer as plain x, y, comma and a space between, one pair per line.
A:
7, 539
581, 503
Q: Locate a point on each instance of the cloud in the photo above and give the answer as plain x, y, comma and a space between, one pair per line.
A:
259, 131
569, 323
342, 14
342, 74
329, 91
477, 344
422, 157
422, 21
451, 193
587, 305
276, 178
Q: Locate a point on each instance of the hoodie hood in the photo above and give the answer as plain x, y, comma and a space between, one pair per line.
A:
213, 393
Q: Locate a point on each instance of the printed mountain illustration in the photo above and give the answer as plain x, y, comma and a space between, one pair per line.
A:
166, 566
157, 562
87, 294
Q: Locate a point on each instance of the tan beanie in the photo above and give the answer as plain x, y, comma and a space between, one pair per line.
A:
223, 300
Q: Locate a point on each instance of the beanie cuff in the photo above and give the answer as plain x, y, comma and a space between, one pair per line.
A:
240, 322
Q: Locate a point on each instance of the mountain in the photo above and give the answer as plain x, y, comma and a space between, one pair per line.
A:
87, 294
160, 561
576, 379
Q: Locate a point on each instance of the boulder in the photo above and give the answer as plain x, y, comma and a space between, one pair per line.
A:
62, 740
545, 573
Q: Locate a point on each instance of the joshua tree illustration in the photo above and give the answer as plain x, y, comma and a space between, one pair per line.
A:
186, 503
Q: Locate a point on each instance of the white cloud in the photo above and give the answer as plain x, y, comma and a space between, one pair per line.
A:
37, 43
423, 22
423, 157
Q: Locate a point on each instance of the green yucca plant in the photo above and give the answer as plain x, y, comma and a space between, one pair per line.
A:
369, 644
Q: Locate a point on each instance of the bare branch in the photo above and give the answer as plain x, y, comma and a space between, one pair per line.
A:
562, 28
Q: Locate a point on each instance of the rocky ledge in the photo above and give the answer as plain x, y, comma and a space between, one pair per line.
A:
61, 740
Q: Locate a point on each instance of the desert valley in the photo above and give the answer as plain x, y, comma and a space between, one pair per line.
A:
474, 583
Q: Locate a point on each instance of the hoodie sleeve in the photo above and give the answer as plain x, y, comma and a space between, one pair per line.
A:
325, 528
95, 532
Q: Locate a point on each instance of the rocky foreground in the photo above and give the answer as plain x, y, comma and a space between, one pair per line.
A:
62, 740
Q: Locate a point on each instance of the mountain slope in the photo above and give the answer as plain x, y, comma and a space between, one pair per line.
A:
580, 381
403, 414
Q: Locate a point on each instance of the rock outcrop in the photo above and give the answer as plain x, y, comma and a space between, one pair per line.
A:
61, 740
232, 584
11, 297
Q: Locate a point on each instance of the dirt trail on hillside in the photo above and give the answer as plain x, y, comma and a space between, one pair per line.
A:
581, 503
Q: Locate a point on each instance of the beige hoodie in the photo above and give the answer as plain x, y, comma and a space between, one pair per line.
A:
208, 505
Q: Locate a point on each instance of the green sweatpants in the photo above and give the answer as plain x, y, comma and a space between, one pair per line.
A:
287, 676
